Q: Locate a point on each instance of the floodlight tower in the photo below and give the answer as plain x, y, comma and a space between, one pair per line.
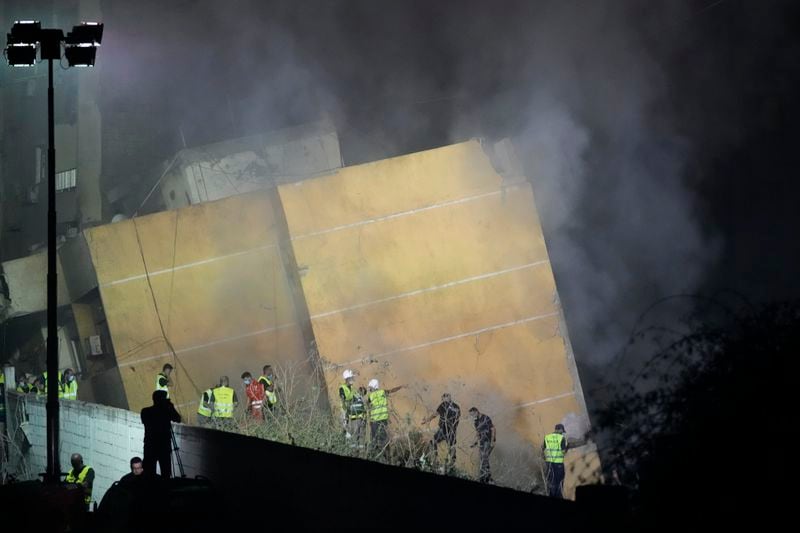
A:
80, 49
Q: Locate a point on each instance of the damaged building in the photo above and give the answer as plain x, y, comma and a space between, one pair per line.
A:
428, 269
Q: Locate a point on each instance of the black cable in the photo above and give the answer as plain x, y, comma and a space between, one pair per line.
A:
158, 313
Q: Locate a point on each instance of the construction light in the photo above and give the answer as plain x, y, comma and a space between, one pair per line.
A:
90, 33
80, 45
21, 43
25, 32
21, 55
80, 55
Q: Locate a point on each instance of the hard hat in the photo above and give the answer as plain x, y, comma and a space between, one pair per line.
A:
373, 384
347, 374
560, 427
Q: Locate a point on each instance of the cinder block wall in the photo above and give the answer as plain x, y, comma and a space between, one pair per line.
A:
107, 438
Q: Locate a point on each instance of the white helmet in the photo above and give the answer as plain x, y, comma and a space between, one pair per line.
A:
347, 374
373, 384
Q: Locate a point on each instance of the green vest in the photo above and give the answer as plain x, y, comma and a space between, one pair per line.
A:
70, 390
223, 402
162, 387
552, 448
204, 409
378, 406
24, 388
272, 398
72, 478
353, 402
60, 390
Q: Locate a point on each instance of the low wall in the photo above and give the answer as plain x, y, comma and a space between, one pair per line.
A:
106, 437
300, 487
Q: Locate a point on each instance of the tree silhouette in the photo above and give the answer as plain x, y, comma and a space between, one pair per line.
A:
701, 432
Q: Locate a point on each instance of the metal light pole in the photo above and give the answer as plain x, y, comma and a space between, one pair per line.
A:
53, 461
80, 47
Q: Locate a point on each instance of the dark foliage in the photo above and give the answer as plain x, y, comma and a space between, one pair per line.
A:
704, 432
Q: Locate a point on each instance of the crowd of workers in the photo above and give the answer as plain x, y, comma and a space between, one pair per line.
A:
361, 408
37, 384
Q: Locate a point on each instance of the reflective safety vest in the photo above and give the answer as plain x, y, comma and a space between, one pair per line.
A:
158, 384
70, 390
354, 403
223, 402
378, 406
272, 398
204, 409
58, 385
552, 448
72, 478
24, 388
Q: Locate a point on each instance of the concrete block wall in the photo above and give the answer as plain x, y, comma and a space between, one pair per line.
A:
107, 438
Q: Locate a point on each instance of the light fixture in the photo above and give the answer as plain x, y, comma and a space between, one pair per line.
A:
80, 45
21, 55
22, 42
80, 48
25, 31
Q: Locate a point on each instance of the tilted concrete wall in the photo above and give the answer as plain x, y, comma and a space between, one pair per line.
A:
209, 279
431, 270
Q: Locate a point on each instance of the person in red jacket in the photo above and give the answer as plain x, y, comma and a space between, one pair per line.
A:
255, 396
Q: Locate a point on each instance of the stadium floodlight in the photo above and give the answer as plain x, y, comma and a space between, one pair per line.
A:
80, 45
25, 32
22, 42
21, 55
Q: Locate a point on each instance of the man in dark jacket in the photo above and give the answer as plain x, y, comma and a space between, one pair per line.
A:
157, 421
486, 437
449, 414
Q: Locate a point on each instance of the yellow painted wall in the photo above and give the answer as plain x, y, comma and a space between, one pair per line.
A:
220, 289
426, 270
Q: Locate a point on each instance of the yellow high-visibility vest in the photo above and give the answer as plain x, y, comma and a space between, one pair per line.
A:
204, 409
58, 385
223, 402
354, 403
272, 398
159, 386
72, 478
552, 448
70, 390
378, 406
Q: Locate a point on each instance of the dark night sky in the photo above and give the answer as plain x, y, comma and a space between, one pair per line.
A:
660, 136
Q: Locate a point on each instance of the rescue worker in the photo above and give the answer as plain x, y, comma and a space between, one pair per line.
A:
554, 449
378, 407
22, 384
449, 414
254, 391
157, 420
69, 385
267, 380
353, 410
204, 407
38, 387
485, 439
83, 476
58, 384
162, 379
223, 402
